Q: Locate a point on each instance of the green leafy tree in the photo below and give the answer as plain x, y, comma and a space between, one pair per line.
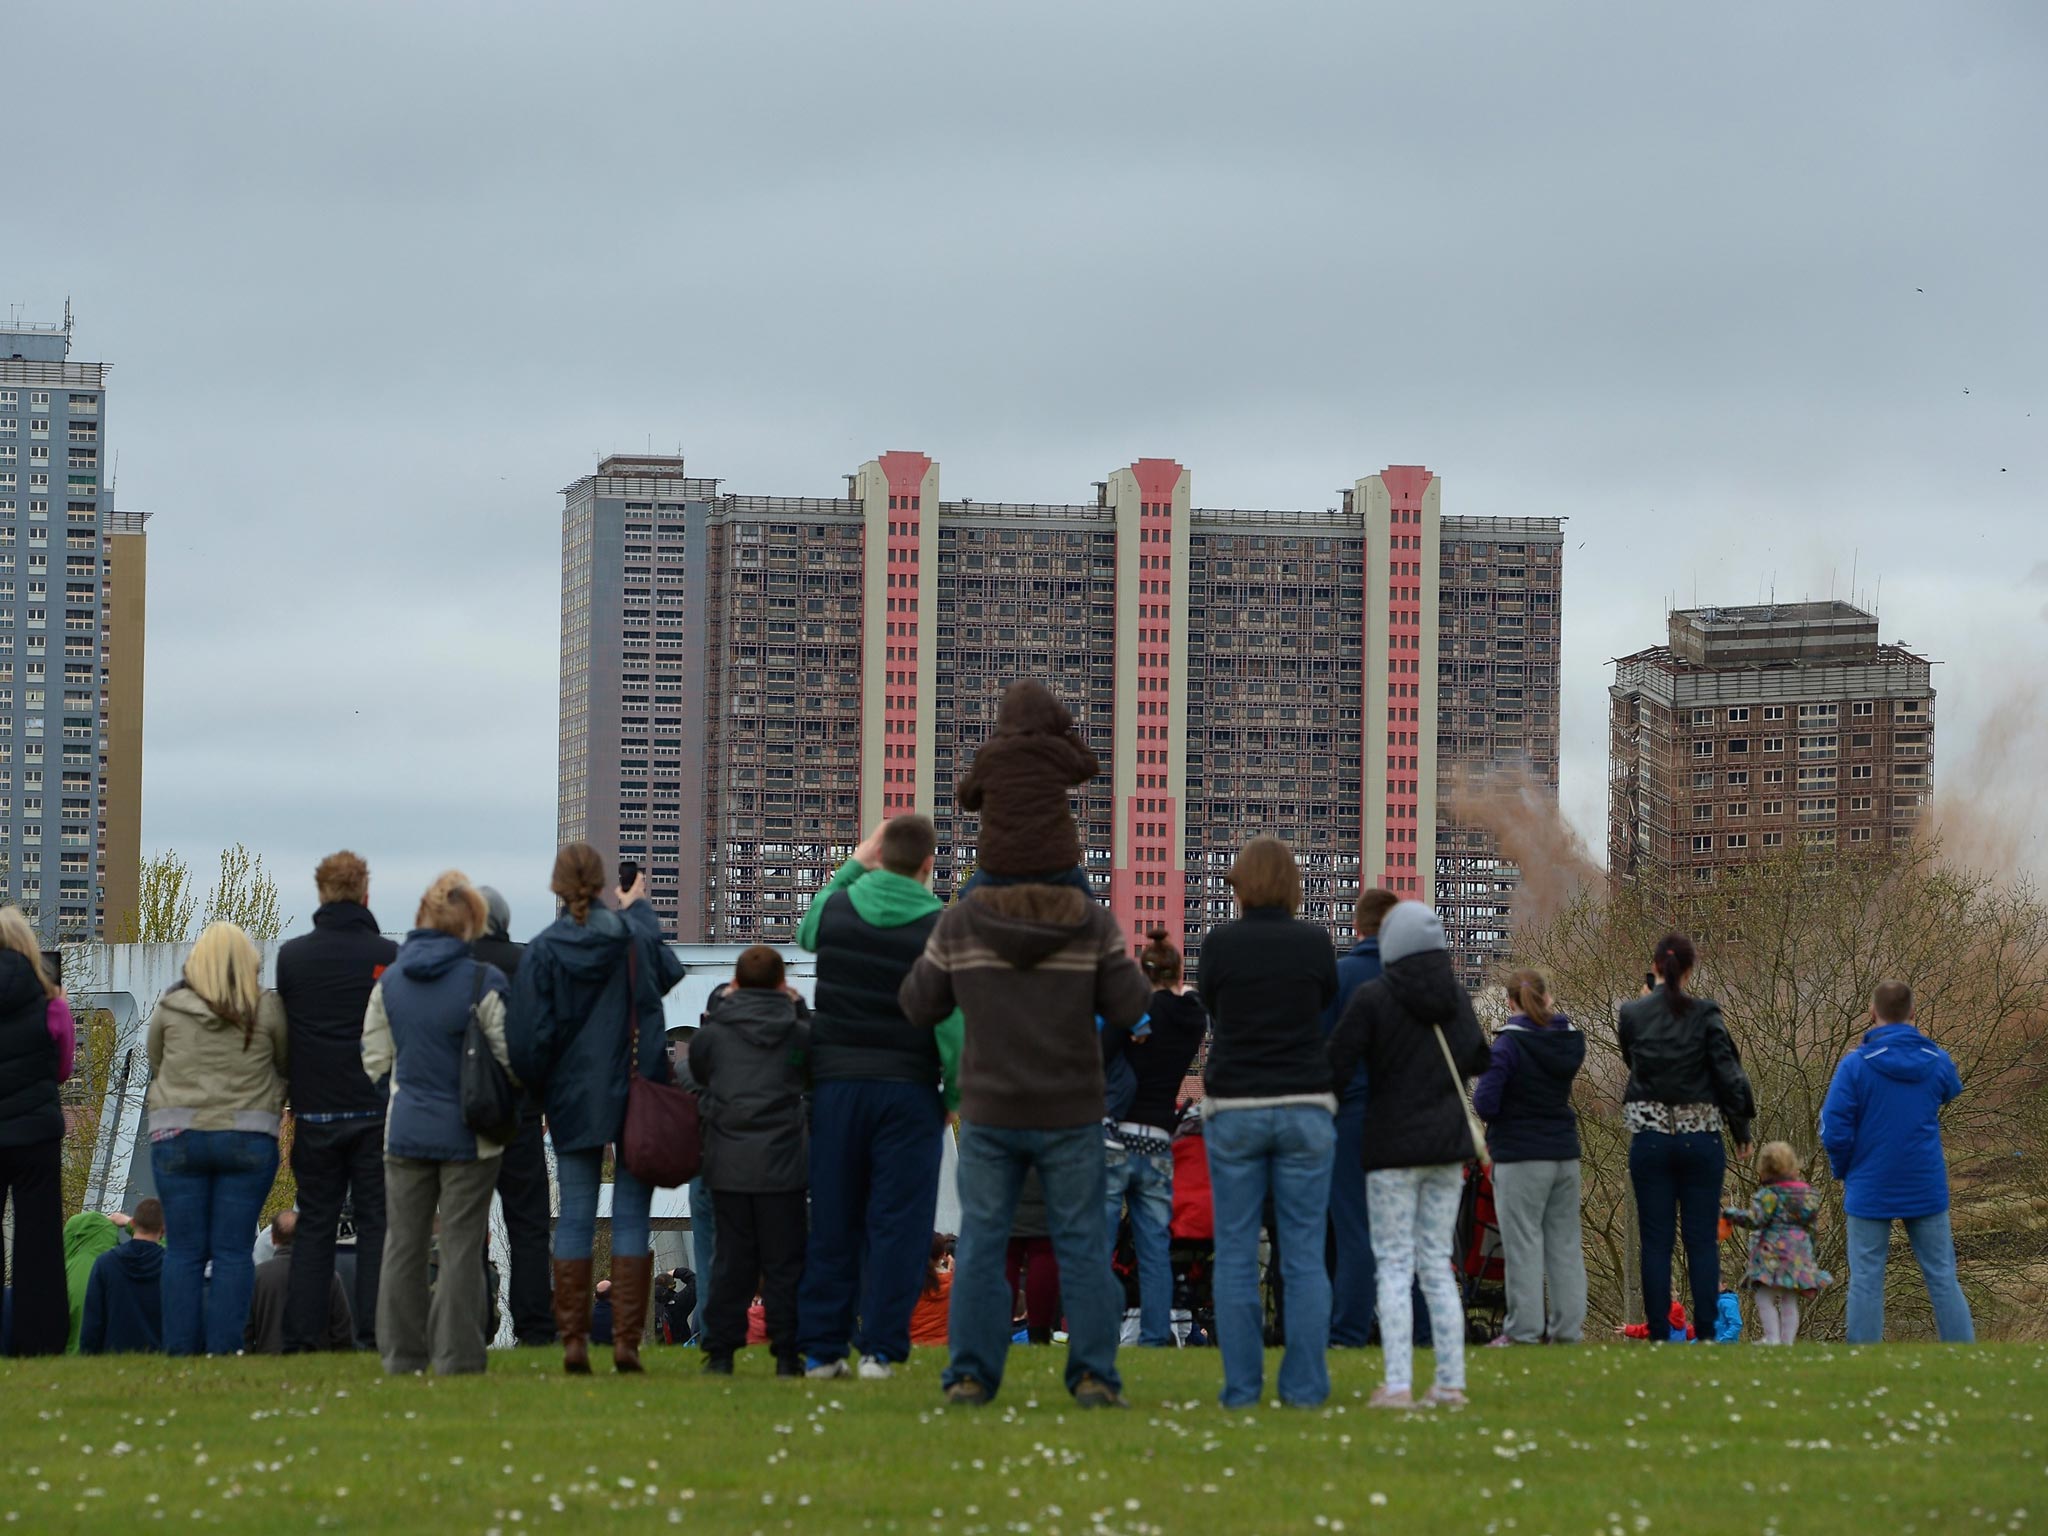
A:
245, 895
165, 904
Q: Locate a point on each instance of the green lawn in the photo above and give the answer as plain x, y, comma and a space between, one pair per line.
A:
1611, 1438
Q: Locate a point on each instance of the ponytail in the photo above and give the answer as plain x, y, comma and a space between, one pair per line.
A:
1159, 960
1675, 956
1530, 994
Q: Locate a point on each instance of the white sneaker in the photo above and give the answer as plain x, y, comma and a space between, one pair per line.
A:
874, 1368
831, 1370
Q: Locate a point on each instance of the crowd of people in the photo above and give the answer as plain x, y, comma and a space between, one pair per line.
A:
1344, 1105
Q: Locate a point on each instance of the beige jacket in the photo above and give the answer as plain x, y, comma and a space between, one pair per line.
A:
202, 1077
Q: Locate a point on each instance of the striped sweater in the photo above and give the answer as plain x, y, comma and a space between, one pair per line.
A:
1030, 967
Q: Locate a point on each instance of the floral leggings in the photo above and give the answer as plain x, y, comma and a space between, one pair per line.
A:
1414, 1213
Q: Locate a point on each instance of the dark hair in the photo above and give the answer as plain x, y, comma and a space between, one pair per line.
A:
1372, 910
1674, 957
1893, 1003
942, 1245
759, 966
1159, 960
149, 1215
578, 877
343, 876
907, 841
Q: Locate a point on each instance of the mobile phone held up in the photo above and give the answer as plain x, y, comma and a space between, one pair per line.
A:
629, 871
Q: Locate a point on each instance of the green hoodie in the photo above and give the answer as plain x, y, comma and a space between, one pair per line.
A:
86, 1236
885, 899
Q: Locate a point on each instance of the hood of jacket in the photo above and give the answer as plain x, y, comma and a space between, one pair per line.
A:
428, 954
885, 899
1425, 985
1798, 1201
1029, 709
1901, 1053
758, 1016
345, 914
88, 1235
591, 950
20, 987
1025, 923
186, 1003
140, 1259
1364, 949
1555, 1050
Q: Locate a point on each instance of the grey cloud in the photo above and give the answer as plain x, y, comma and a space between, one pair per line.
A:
377, 280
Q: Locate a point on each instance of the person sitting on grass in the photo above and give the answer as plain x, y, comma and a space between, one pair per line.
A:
124, 1299
263, 1334
1019, 783
1780, 1219
749, 1062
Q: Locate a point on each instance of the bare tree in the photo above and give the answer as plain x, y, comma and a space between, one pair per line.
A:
245, 895
1793, 947
164, 906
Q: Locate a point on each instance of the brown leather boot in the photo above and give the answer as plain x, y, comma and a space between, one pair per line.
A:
572, 1313
631, 1281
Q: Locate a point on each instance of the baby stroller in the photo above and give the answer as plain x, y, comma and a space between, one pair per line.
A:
1193, 1233
1482, 1273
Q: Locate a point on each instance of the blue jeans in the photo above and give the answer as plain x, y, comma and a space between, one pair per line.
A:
993, 1161
213, 1185
1147, 1183
576, 1227
875, 1154
703, 1248
1677, 1182
1934, 1248
1286, 1152
1353, 1285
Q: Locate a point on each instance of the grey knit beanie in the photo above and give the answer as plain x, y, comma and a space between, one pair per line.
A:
1410, 929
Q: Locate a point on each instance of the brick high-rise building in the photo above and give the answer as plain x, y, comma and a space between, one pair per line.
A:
749, 681
1756, 725
71, 574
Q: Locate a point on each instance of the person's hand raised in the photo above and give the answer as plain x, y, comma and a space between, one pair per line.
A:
637, 891
869, 854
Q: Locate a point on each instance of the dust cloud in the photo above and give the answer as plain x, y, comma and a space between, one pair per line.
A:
1523, 816
1988, 809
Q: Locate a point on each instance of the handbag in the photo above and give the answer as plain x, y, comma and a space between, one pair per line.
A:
490, 1103
1479, 1152
663, 1141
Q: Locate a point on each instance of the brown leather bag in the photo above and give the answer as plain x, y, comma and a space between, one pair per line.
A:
663, 1142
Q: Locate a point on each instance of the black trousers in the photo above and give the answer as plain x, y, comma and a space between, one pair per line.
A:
342, 1161
34, 1176
760, 1237
523, 1191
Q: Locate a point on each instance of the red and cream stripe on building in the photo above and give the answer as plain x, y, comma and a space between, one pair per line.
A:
1403, 539
899, 496
1148, 872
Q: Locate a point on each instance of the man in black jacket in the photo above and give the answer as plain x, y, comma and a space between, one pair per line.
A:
523, 1169
325, 979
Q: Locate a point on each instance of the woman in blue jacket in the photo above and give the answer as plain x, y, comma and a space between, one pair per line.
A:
1881, 1126
434, 1164
571, 1036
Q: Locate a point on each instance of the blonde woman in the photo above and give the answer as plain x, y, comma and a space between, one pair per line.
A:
216, 1087
36, 1041
433, 1162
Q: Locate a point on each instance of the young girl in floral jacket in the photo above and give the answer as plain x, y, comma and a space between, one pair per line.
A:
1781, 1262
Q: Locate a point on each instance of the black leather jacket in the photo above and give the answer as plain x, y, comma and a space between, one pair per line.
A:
1685, 1058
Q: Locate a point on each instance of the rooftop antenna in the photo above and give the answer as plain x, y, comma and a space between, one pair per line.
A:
114, 479
1855, 559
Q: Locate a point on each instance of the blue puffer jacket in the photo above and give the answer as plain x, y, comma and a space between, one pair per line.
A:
425, 999
1881, 1124
569, 1027
1355, 967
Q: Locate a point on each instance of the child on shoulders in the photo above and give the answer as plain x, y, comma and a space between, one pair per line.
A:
1019, 783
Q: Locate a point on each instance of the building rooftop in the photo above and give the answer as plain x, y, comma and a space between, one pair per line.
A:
1772, 633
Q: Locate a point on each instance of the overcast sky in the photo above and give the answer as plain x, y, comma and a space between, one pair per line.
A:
1752, 293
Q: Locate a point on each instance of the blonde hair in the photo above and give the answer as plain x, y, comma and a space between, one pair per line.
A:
226, 971
453, 906
1776, 1162
17, 935
1264, 874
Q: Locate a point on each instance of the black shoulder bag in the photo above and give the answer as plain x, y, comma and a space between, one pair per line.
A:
490, 1104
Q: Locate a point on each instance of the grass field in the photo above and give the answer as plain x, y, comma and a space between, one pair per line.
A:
1607, 1439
